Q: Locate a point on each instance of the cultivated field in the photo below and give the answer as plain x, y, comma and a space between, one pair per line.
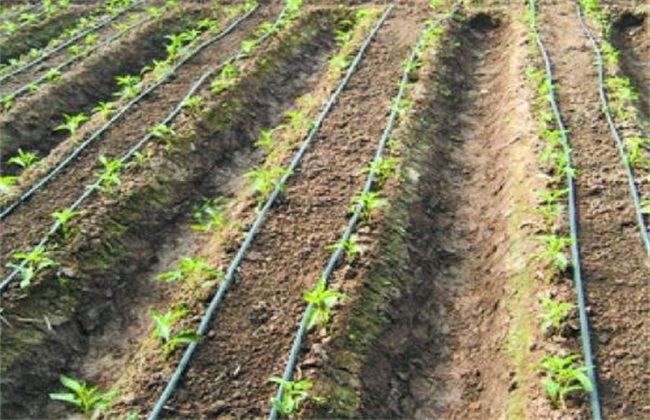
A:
325, 209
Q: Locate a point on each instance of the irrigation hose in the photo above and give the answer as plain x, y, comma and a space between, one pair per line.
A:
250, 235
573, 228
634, 192
354, 219
116, 117
95, 186
70, 41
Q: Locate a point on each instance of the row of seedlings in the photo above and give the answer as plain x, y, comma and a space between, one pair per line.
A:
30, 16
363, 208
619, 98
28, 265
132, 88
267, 181
83, 30
564, 374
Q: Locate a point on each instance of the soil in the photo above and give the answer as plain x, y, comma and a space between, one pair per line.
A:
614, 263
29, 124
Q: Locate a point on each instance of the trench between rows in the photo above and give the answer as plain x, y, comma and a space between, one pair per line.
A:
114, 289
30, 124
437, 354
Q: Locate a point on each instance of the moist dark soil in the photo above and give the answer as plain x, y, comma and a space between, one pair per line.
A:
110, 312
615, 265
37, 36
29, 125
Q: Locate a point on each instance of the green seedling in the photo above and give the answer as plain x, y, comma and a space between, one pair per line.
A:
322, 300
105, 109
31, 264
265, 180
297, 119
155, 12
350, 246
52, 74
109, 176
7, 101
28, 18
10, 27
295, 392
91, 39
76, 50
207, 24
339, 63
263, 29
163, 330
72, 123
7, 183
129, 86
247, 47
564, 376
90, 400
554, 314
64, 217
211, 216
554, 253
635, 151
225, 79
342, 36
369, 202
193, 269
166, 134
382, 168
24, 159
194, 104
266, 141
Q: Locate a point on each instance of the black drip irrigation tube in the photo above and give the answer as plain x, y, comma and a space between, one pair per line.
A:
53, 173
634, 192
90, 189
70, 41
27, 87
573, 227
294, 354
259, 220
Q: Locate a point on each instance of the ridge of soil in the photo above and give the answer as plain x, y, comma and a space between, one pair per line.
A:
615, 266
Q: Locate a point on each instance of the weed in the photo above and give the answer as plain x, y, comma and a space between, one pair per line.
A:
163, 330
295, 392
323, 300
24, 159
72, 123
565, 376
64, 217
88, 399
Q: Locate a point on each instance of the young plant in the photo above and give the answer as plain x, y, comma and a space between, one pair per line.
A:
554, 314
190, 269
105, 109
564, 376
265, 180
211, 216
266, 140
7, 101
31, 264
52, 74
90, 400
323, 300
382, 169
72, 123
225, 79
555, 251
369, 202
64, 217
24, 159
129, 86
295, 392
351, 248
109, 175
194, 104
163, 330
7, 183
